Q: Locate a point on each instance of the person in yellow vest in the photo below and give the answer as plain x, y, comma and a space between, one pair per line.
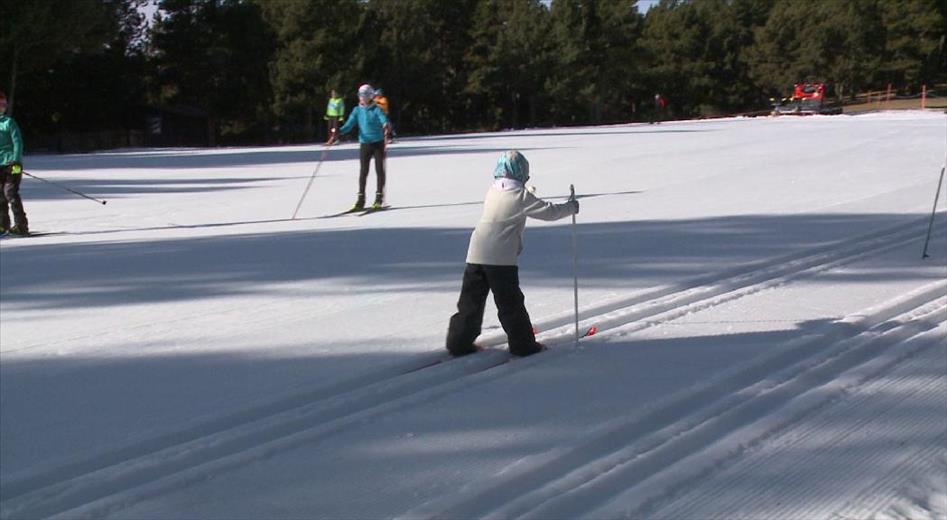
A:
335, 113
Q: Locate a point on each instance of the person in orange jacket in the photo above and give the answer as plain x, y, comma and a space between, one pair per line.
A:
382, 101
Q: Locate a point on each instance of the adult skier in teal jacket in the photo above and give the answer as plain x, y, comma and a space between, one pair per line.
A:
372, 134
11, 173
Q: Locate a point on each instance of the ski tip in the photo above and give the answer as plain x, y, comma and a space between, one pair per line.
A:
592, 330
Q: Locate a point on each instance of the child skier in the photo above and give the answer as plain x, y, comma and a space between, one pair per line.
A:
495, 244
372, 132
11, 173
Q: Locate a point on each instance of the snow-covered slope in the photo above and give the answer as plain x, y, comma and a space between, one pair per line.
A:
771, 344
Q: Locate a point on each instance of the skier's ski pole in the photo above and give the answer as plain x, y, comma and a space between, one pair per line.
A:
322, 158
70, 190
930, 225
575, 268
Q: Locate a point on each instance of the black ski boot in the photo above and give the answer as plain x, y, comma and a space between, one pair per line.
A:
379, 200
359, 203
21, 230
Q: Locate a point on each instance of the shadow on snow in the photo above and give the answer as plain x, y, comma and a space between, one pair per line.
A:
621, 256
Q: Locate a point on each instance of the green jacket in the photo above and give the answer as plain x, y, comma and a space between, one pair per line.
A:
335, 108
11, 141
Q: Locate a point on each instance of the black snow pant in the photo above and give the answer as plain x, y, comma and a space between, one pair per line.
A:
366, 152
465, 325
10, 199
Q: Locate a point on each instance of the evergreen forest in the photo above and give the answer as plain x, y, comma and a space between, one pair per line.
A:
221, 72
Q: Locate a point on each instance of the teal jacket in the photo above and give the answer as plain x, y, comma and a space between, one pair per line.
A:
11, 142
371, 121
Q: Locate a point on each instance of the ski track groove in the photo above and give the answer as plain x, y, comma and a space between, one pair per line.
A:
658, 430
771, 454
111, 481
823, 497
887, 487
625, 316
796, 401
797, 480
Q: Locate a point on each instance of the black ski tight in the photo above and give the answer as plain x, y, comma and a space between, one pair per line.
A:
366, 152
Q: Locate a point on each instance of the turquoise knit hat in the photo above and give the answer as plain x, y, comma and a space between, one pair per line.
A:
512, 165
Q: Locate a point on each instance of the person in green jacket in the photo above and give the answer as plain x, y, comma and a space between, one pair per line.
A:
335, 113
11, 173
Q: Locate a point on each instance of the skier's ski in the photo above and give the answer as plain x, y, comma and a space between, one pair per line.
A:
434, 363
6, 235
343, 213
588, 332
369, 211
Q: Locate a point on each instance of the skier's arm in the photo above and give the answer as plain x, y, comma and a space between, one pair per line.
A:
17, 140
539, 209
382, 118
347, 127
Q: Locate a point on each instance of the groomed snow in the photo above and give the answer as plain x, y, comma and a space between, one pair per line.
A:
771, 343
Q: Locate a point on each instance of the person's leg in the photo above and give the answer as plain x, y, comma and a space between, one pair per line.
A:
466, 322
379, 154
4, 204
333, 130
11, 192
364, 155
504, 281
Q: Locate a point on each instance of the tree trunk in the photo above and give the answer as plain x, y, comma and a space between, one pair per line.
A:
516, 109
11, 96
212, 131
308, 131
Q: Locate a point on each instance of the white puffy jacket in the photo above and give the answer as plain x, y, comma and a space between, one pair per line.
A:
498, 237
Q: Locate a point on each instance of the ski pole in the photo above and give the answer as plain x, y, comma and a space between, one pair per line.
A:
930, 225
322, 158
70, 190
575, 268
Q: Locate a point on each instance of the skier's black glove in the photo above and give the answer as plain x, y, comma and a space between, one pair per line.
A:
575, 206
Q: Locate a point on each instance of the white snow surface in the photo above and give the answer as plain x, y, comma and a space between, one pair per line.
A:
770, 342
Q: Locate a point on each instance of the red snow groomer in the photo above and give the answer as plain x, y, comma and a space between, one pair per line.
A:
807, 98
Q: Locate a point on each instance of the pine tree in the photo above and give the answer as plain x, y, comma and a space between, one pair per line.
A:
36, 34
507, 59
419, 60
211, 55
593, 58
674, 39
914, 42
313, 56
839, 42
